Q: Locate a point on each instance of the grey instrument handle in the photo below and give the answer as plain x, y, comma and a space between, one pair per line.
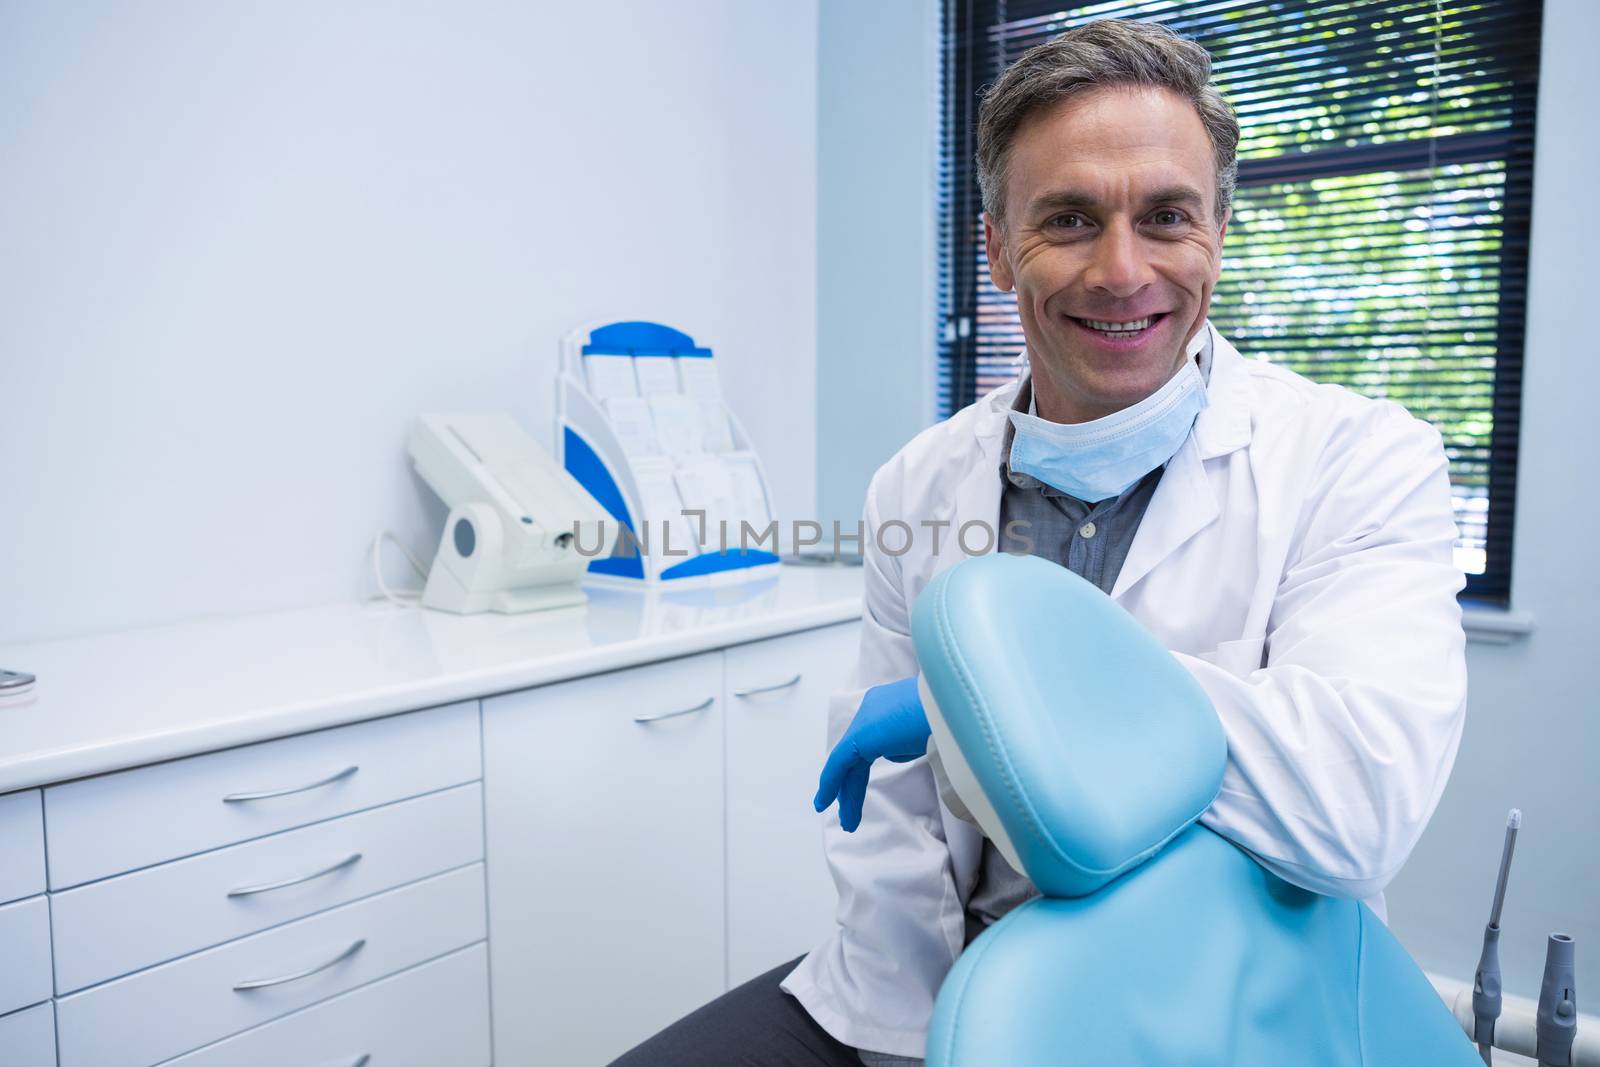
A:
702, 706
767, 688
362, 1060
264, 983
250, 891
1513, 823
240, 798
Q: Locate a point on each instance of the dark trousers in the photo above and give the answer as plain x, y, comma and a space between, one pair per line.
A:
755, 1025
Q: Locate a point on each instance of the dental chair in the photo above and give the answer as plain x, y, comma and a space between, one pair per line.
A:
1086, 753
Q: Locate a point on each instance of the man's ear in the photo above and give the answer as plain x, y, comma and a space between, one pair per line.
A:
999, 265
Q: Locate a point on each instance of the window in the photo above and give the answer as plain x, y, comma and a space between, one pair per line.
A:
1380, 230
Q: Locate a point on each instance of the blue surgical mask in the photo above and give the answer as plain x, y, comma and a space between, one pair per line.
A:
1096, 460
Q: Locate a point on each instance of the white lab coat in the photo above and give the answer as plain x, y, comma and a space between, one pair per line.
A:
1296, 558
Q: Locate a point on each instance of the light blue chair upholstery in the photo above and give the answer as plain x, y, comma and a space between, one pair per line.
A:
1087, 753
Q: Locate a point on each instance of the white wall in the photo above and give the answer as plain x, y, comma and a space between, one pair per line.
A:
241, 246
1533, 729
877, 150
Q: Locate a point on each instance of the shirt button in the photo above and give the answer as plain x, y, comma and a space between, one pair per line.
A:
1087, 529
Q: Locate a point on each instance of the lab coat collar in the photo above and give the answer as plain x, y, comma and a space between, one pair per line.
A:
1224, 424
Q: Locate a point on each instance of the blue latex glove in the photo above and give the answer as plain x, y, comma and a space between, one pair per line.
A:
890, 724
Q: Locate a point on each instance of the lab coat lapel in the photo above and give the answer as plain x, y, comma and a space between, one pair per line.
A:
1185, 501
1182, 506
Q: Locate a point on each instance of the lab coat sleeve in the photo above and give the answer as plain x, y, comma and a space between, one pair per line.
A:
1340, 744
900, 927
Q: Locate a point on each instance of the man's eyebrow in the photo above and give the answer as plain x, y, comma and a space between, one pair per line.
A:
1058, 199
1065, 199
1177, 194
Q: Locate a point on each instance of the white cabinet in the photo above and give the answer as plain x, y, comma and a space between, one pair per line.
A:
638, 869
644, 838
119, 822
269, 880
605, 839
24, 953
178, 908
25, 965
21, 845
158, 1013
781, 899
431, 1015
28, 1037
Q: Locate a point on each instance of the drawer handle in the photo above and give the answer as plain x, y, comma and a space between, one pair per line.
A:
240, 798
250, 891
767, 688
702, 706
263, 983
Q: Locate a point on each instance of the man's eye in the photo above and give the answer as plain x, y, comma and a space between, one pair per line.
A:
1067, 222
1167, 217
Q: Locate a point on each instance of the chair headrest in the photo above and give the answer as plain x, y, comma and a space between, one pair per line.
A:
1080, 744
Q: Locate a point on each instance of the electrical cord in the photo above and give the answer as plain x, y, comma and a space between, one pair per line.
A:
405, 598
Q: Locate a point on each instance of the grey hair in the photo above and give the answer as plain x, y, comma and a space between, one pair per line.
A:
1107, 52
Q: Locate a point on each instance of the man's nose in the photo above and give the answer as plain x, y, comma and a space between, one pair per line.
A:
1119, 267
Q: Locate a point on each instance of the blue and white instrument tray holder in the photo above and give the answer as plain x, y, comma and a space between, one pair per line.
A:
641, 424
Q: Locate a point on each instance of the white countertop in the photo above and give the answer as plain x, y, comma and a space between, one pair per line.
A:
117, 700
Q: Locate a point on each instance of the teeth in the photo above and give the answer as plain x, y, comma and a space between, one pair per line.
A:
1118, 327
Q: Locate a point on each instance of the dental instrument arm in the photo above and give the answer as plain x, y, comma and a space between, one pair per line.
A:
1486, 989
1557, 1022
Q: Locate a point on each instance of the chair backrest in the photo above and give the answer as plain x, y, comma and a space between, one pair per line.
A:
1086, 752
1092, 745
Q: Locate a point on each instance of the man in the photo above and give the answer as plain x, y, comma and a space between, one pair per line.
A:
1290, 543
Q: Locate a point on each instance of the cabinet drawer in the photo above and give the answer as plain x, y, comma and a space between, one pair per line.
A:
24, 953
120, 822
21, 846
28, 1037
178, 1007
123, 924
434, 1014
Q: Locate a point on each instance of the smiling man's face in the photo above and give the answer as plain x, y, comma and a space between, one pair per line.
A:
1112, 242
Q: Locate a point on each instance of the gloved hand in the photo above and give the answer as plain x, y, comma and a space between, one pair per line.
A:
890, 723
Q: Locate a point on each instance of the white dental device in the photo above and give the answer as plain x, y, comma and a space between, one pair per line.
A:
517, 519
